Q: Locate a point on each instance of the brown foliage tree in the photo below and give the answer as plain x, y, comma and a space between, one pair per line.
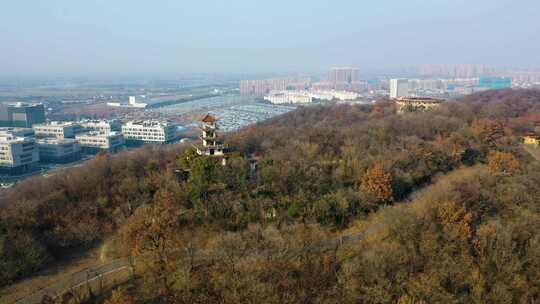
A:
153, 233
489, 130
378, 183
504, 162
120, 296
455, 219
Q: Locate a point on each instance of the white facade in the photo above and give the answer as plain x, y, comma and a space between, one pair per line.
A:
426, 84
58, 149
102, 126
149, 131
16, 151
285, 97
57, 129
399, 88
332, 94
132, 103
112, 141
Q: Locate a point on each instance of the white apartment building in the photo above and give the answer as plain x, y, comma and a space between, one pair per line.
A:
285, 97
426, 84
58, 150
332, 94
95, 141
149, 131
102, 126
17, 154
399, 88
57, 129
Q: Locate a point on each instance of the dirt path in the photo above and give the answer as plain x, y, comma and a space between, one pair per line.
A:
57, 271
534, 152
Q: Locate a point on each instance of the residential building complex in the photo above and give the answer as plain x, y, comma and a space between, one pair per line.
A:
342, 79
455, 70
344, 75
20, 114
426, 85
149, 131
58, 150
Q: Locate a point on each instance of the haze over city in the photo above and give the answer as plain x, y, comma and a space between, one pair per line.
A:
280, 152
124, 37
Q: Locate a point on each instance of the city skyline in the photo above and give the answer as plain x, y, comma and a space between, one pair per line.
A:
121, 38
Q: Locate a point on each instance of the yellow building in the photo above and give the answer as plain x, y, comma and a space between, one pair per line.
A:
531, 139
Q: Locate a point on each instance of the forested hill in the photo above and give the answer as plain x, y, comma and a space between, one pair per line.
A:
450, 200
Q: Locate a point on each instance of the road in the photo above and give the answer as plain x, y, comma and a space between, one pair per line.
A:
93, 274
533, 151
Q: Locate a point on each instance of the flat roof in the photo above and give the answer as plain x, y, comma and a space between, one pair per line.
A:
149, 123
56, 124
97, 134
56, 140
19, 104
419, 99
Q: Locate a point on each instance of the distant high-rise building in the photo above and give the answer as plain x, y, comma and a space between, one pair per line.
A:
346, 79
495, 82
399, 88
344, 75
455, 70
261, 87
21, 115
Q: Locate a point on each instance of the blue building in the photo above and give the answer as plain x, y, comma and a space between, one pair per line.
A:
21, 115
495, 82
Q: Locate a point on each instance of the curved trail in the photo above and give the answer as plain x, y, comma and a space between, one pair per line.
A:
85, 277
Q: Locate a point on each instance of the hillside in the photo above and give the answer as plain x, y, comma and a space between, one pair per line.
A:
447, 203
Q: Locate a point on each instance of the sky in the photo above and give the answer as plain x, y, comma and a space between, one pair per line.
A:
137, 37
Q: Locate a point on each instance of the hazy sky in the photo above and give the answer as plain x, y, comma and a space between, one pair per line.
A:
183, 36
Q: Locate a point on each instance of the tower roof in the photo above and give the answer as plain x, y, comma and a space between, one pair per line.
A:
209, 118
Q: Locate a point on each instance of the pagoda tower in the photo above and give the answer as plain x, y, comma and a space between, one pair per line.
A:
211, 144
